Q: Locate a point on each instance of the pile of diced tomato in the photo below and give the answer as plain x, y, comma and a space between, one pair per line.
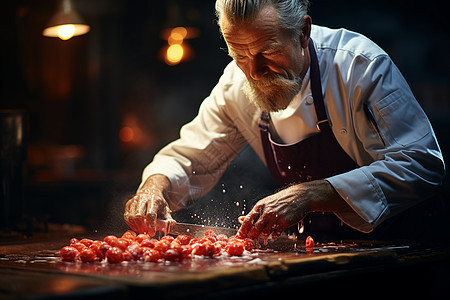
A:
141, 247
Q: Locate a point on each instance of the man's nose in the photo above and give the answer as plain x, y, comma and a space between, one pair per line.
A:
258, 68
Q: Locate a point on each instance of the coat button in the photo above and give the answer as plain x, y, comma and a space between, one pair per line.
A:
343, 131
309, 100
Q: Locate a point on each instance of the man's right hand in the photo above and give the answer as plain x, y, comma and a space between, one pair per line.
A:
148, 211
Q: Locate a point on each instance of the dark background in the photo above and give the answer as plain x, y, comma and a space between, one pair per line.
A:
80, 93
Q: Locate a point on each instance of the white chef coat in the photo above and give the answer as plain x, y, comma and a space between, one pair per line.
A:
400, 164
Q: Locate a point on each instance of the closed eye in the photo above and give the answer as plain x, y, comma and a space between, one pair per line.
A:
271, 53
236, 56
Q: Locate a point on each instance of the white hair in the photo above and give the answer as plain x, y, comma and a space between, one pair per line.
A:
290, 12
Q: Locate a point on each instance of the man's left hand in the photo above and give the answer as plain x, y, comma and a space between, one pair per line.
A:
275, 213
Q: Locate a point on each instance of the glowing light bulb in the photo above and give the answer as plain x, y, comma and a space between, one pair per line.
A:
175, 53
177, 35
65, 32
126, 134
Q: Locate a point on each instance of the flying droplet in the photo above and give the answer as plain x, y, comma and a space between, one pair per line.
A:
301, 227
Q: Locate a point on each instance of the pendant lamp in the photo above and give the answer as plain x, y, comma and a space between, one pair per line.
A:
66, 22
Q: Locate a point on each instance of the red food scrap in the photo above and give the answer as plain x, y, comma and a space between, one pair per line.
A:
309, 243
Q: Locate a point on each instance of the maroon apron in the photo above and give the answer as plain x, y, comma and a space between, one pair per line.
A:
320, 156
316, 157
313, 158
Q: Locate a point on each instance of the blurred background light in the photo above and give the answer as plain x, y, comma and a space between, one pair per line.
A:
175, 54
177, 49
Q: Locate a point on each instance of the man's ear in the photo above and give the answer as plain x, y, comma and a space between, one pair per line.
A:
306, 31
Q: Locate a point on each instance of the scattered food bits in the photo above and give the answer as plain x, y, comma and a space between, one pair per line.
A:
141, 247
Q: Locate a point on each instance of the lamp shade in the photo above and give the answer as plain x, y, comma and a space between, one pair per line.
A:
66, 22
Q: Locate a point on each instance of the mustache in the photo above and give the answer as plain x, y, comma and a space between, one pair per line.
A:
271, 80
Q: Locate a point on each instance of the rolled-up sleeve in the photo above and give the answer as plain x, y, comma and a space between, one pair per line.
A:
206, 146
407, 165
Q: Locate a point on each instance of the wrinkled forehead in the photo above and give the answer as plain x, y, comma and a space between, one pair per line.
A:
264, 26
265, 12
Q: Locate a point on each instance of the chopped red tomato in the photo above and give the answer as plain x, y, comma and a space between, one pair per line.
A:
140, 247
69, 253
88, 255
114, 255
235, 248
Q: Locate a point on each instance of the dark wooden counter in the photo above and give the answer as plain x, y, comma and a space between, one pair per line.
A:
30, 270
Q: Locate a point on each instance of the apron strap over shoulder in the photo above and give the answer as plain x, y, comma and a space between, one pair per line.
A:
316, 89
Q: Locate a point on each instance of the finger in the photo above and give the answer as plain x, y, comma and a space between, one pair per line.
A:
282, 225
241, 219
141, 213
129, 222
277, 232
272, 231
150, 218
126, 214
246, 226
158, 216
130, 214
128, 204
171, 222
163, 225
168, 217
164, 219
249, 221
253, 233
132, 218
269, 229
258, 227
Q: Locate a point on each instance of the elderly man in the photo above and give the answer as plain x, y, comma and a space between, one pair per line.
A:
326, 110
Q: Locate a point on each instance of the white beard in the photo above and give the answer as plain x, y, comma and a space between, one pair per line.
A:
272, 93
